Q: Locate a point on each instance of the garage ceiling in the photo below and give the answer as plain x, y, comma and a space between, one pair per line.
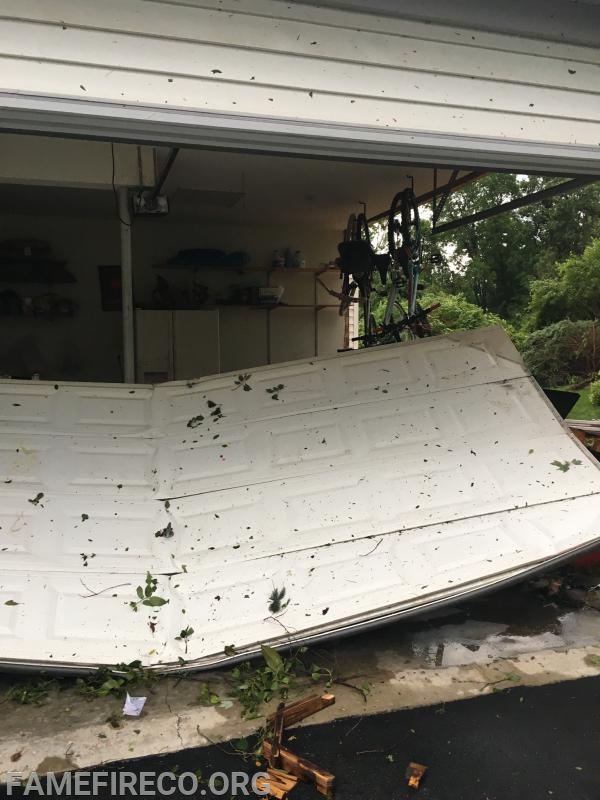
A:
243, 188
285, 189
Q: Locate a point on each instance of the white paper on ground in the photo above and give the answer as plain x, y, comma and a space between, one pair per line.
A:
133, 706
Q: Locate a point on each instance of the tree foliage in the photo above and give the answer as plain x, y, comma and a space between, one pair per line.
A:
535, 271
562, 351
494, 261
573, 291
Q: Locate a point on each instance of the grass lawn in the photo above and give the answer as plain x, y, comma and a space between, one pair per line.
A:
583, 408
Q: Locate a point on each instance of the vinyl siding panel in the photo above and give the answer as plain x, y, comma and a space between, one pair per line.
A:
294, 62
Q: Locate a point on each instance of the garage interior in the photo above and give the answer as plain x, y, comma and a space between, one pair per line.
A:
237, 222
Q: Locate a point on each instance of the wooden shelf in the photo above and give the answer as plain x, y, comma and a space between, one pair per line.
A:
264, 270
274, 306
44, 272
264, 307
29, 317
318, 306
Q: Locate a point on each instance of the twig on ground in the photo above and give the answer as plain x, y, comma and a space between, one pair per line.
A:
95, 594
363, 555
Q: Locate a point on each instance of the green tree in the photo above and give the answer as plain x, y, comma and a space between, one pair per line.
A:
580, 277
495, 258
573, 292
492, 262
564, 225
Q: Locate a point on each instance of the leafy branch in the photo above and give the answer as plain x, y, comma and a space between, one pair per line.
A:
564, 466
147, 595
274, 391
276, 601
184, 636
242, 381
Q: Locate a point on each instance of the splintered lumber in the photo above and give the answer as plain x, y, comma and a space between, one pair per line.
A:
300, 709
279, 784
588, 434
278, 725
263, 785
302, 768
415, 773
284, 778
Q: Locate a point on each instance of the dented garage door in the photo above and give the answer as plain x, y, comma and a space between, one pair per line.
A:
298, 501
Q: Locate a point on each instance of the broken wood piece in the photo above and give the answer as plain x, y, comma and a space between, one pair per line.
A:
282, 780
278, 784
265, 785
278, 724
414, 774
300, 709
302, 768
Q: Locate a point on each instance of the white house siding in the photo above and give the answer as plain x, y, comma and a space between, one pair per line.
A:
277, 61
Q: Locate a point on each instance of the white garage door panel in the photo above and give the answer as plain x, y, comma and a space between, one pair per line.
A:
424, 430
57, 621
87, 464
36, 406
376, 483
80, 534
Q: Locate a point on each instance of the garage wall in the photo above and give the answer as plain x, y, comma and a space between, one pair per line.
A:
279, 60
54, 161
244, 332
87, 347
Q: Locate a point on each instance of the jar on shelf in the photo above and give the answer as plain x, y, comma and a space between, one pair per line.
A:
278, 260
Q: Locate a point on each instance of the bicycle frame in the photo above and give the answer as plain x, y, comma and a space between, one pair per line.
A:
400, 269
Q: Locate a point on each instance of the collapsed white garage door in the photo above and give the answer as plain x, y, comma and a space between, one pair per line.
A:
367, 485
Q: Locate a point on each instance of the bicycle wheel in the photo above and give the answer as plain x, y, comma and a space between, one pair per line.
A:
346, 295
394, 230
410, 223
362, 229
421, 327
350, 231
404, 229
367, 322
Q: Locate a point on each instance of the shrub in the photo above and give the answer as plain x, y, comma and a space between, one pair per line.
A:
456, 313
595, 392
562, 350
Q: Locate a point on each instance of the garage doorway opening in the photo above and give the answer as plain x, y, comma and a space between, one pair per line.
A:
231, 261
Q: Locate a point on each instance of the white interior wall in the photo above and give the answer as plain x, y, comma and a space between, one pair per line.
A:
48, 161
88, 345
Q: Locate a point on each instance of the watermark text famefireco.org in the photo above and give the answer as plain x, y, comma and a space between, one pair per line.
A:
135, 784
